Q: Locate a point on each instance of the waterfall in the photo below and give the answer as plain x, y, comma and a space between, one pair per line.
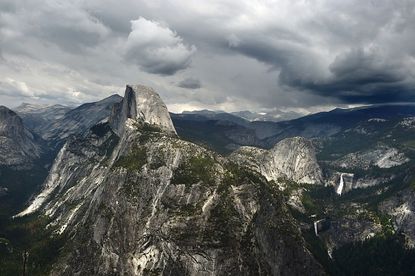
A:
339, 189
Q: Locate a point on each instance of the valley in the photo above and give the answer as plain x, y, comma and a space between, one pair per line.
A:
123, 186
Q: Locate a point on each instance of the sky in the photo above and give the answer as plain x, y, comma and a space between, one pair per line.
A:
223, 55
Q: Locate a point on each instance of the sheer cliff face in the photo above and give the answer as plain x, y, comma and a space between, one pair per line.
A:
143, 104
292, 158
18, 146
136, 200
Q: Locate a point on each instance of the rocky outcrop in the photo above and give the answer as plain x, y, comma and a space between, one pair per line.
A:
18, 146
137, 200
292, 158
382, 156
401, 208
144, 104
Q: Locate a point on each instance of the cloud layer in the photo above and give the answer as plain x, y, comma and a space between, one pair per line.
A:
248, 54
190, 83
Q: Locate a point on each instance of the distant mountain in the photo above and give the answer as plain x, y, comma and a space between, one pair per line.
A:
225, 132
215, 115
18, 145
56, 123
272, 116
37, 117
221, 133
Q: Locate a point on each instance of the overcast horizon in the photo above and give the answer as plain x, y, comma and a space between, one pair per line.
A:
304, 56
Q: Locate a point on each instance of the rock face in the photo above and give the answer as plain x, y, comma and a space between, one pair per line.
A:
401, 208
144, 104
382, 156
18, 146
137, 200
292, 158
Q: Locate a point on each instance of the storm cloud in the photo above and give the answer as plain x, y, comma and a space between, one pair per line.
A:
248, 54
190, 83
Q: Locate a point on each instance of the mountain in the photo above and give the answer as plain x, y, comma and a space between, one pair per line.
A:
221, 135
130, 193
329, 123
215, 115
292, 158
57, 122
23, 164
132, 198
36, 117
243, 116
365, 159
273, 116
226, 132
18, 145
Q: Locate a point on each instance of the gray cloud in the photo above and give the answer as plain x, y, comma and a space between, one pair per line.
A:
190, 83
250, 55
361, 76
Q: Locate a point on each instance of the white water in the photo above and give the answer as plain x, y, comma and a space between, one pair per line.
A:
339, 189
315, 228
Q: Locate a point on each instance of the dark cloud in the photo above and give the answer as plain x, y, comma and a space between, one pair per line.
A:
250, 55
360, 76
190, 83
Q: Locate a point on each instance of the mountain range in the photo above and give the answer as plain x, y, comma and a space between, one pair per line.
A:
123, 187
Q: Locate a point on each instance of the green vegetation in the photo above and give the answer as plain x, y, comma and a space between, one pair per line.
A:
319, 251
212, 137
108, 146
21, 184
135, 160
343, 144
189, 210
387, 226
197, 168
28, 235
236, 175
382, 255
147, 131
309, 204
223, 219
101, 129
412, 184
157, 160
